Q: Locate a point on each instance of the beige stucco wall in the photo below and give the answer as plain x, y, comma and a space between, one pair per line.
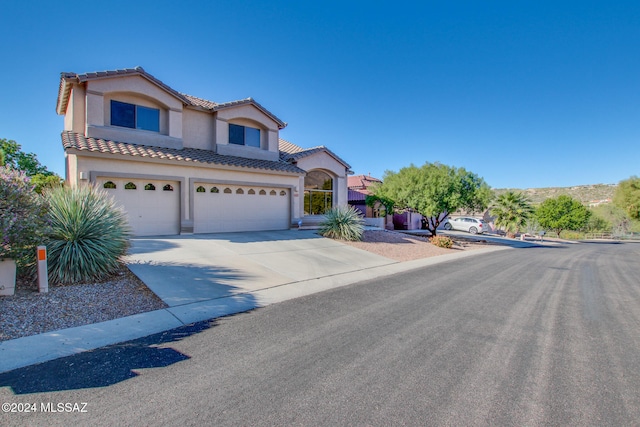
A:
89, 113
247, 115
92, 165
135, 90
74, 119
198, 130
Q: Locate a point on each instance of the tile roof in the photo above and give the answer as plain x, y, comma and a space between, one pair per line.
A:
67, 80
72, 140
361, 182
199, 102
292, 153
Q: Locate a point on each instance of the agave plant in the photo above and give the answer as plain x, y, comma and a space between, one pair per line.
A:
342, 222
88, 234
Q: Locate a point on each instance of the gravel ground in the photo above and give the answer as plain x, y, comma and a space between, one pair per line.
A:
29, 312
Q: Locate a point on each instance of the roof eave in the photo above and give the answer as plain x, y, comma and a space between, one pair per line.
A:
67, 80
251, 101
66, 83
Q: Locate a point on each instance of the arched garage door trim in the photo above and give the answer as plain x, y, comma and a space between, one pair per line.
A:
283, 189
174, 226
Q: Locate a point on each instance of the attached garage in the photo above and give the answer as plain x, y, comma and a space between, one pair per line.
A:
152, 206
226, 208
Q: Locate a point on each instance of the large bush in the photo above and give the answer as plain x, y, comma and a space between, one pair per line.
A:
342, 222
88, 236
562, 213
22, 217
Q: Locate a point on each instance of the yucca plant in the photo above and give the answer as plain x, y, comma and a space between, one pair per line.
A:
88, 234
342, 222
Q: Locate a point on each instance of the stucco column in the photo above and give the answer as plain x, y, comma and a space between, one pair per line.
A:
175, 124
341, 191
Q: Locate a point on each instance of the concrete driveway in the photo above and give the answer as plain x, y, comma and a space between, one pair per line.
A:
190, 269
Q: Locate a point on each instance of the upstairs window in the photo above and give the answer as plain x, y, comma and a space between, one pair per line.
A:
135, 116
244, 135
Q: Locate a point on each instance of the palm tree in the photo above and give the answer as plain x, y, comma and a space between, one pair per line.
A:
511, 211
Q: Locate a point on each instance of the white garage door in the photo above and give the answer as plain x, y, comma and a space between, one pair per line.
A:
152, 206
224, 208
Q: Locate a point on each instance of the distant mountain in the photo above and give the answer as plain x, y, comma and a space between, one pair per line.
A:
585, 193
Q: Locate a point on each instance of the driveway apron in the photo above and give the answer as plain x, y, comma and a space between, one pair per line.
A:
188, 269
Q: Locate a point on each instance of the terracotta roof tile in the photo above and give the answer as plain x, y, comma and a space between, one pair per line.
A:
199, 102
66, 80
72, 140
291, 152
361, 182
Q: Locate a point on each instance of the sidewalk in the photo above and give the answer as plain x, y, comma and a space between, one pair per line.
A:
40, 348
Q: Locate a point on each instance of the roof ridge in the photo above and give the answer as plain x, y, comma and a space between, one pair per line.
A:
74, 140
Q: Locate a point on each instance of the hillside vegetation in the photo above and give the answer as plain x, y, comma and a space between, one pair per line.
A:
584, 193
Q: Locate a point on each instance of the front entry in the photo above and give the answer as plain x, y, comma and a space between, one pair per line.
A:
318, 192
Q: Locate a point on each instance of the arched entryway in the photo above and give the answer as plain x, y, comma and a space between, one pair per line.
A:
318, 192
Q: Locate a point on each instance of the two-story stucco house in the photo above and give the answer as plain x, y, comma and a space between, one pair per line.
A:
181, 164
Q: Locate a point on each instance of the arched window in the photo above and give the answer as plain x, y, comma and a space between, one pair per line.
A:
272, 193
130, 186
200, 189
283, 193
318, 192
109, 184
167, 187
251, 191
215, 190
227, 191
263, 193
150, 187
239, 191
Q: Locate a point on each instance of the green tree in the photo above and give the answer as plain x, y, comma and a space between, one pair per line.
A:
597, 223
41, 182
617, 219
13, 157
512, 210
434, 190
562, 213
627, 196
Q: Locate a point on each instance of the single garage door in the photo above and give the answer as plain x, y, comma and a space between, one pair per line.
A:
224, 208
152, 206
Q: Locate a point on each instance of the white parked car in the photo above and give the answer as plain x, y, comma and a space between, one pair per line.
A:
468, 224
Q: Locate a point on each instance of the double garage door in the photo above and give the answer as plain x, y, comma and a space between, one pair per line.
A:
223, 208
153, 206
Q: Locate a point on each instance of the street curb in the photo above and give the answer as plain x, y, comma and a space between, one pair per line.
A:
26, 351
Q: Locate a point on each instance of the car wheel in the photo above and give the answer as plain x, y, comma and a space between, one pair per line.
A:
447, 226
473, 230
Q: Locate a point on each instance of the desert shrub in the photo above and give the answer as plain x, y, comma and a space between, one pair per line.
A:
441, 241
22, 218
342, 222
88, 234
572, 235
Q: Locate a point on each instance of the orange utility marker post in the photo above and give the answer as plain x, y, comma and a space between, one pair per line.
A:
43, 273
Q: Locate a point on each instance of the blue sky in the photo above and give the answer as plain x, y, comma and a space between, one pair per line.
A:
524, 94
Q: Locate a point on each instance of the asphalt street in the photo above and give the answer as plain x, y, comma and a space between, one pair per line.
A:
535, 336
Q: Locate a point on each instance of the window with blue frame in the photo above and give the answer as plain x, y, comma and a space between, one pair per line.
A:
244, 135
135, 116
